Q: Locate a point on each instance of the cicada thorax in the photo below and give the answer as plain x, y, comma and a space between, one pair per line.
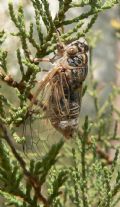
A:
66, 91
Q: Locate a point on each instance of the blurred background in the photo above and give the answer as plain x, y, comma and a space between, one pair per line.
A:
105, 60
102, 37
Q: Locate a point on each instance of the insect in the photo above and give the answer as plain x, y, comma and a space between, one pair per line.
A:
61, 88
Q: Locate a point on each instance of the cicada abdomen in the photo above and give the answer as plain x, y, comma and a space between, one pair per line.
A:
64, 102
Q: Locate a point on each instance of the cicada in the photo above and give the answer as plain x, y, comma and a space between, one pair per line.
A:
61, 88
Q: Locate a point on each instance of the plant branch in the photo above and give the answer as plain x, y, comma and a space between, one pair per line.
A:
32, 180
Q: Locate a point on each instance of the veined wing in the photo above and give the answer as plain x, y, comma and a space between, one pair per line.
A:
43, 83
37, 128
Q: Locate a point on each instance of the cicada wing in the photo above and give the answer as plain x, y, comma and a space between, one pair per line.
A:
37, 130
43, 83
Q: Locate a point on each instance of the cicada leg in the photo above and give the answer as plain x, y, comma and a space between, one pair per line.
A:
60, 51
49, 60
37, 60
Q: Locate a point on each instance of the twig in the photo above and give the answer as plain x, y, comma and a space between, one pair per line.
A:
33, 180
8, 79
104, 155
99, 150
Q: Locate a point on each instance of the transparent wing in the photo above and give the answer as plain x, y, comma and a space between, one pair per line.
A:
43, 83
37, 130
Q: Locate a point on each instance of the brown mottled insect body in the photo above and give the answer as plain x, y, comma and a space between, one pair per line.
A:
64, 83
65, 100
65, 121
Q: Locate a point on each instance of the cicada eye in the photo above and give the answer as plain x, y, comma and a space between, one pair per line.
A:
86, 48
83, 47
72, 50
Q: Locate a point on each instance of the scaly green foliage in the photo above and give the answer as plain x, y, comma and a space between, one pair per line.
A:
83, 175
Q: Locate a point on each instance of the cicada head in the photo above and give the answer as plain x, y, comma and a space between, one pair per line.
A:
77, 60
77, 54
81, 46
75, 48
